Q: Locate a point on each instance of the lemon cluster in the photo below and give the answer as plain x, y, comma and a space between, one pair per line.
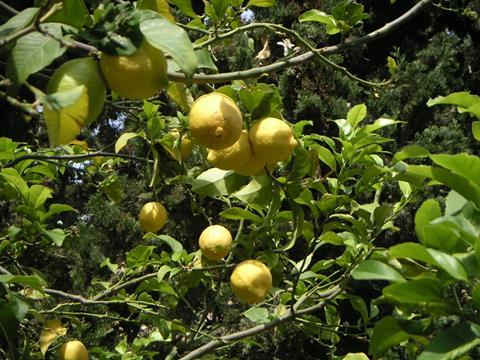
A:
217, 124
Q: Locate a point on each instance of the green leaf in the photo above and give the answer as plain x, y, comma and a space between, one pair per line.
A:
236, 213
179, 93
257, 315
461, 99
12, 176
357, 114
424, 294
411, 151
428, 211
453, 342
218, 182
454, 202
19, 21
460, 184
139, 255
205, 60
37, 195
392, 65
261, 3
173, 40
321, 17
185, 6
386, 333
257, 191
57, 236
376, 270
123, 140
54, 209
462, 164
33, 52
32, 281
175, 245
476, 130
7, 149
444, 261
73, 12
112, 187
381, 123
325, 156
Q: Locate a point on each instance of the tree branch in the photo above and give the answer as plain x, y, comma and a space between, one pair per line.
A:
329, 50
8, 8
327, 295
72, 157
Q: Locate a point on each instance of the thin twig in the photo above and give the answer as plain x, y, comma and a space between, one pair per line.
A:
330, 294
329, 50
73, 157
8, 8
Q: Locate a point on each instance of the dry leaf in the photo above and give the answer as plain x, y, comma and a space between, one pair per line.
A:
52, 330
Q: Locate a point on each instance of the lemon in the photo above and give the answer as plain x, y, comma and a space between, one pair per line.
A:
251, 281
215, 121
64, 124
234, 156
254, 166
215, 242
73, 350
272, 139
153, 217
136, 76
186, 146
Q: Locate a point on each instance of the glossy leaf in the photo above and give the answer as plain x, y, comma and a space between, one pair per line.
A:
261, 3
357, 114
19, 21
173, 40
424, 294
236, 213
376, 270
33, 52
453, 342
139, 255
386, 333
321, 17
218, 182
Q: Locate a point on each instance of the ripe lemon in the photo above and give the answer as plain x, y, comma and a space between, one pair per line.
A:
251, 281
215, 242
272, 139
73, 350
234, 156
64, 124
136, 76
153, 216
215, 121
254, 166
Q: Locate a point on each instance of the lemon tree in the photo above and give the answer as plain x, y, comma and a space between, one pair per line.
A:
121, 206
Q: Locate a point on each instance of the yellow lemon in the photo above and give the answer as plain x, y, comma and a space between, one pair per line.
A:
215, 242
234, 156
65, 123
215, 121
254, 166
136, 76
73, 350
272, 139
251, 281
153, 216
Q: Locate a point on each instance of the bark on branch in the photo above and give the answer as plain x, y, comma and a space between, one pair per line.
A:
329, 50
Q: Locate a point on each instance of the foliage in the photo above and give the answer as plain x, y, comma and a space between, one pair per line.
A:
327, 221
